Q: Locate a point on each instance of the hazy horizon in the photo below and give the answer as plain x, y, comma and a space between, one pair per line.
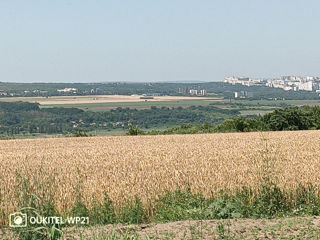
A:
120, 81
98, 41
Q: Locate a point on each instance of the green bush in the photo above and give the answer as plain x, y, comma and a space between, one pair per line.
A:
307, 201
270, 201
103, 213
179, 205
132, 131
222, 209
133, 212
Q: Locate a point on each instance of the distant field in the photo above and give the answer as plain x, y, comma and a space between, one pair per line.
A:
117, 100
106, 102
137, 105
58, 100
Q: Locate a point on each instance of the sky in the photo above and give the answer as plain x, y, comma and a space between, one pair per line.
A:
164, 40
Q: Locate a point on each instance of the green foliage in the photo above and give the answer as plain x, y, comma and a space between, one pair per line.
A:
179, 205
293, 118
290, 118
241, 124
132, 131
307, 201
269, 202
27, 118
69, 120
133, 212
222, 209
80, 209
80, 133
19, 106
103, 213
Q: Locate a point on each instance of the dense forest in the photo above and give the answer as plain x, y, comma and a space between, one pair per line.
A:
29, 118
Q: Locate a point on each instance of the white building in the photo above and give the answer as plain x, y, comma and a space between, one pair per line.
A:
67, 90
203, 92
193, 92
234, 80
306, 86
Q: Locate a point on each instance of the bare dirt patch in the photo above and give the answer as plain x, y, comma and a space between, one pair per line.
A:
283, 228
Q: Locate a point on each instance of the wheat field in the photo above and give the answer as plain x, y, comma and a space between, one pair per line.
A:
146, 166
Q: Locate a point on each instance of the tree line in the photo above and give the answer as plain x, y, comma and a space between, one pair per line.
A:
288, 118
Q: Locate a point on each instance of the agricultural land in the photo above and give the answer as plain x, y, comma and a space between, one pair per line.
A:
148, 171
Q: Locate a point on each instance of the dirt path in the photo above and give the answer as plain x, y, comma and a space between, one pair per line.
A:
284, 228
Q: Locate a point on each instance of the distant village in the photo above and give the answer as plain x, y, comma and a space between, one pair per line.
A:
287, 83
